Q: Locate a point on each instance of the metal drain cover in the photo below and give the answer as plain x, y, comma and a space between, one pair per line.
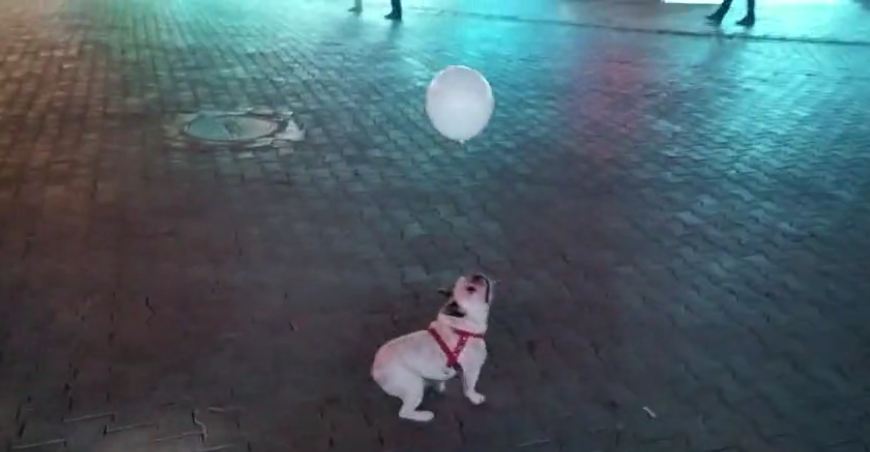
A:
230, 127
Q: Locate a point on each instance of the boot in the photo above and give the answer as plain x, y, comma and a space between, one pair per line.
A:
396, 10
716, 18
747, 21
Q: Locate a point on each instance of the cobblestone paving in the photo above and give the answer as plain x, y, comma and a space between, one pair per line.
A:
679, 224
829, 21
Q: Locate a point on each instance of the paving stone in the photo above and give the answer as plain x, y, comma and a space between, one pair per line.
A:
676, 223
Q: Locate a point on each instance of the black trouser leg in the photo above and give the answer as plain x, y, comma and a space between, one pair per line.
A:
396, 13
749, 20
717, 16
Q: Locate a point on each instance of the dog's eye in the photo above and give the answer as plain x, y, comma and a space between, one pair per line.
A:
470, 289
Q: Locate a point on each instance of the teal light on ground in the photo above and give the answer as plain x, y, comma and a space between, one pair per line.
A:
769, 2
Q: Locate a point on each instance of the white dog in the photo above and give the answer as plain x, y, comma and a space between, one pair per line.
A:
452, 343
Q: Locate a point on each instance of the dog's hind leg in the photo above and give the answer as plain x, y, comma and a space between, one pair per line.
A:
412, 395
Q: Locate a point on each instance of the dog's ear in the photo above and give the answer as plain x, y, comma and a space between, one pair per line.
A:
446, 293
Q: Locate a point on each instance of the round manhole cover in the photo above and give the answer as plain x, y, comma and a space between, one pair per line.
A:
230, 128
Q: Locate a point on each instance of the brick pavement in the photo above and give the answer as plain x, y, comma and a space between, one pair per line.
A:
679, 225
828, 21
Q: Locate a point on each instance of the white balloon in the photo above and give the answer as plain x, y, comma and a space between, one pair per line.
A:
459, 102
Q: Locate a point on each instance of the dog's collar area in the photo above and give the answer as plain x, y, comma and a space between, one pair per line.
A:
467, 333
453, 354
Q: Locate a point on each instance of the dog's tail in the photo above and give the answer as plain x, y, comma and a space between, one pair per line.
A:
378, 372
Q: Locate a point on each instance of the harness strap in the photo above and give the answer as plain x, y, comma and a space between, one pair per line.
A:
453, 355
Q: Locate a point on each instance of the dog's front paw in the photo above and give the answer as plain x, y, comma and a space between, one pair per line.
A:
475, 397
418, 416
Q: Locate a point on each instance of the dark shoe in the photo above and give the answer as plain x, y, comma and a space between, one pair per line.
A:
715, 18
355, 9
747, 21
395, 15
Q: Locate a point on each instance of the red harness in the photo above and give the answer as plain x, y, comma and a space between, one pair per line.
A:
453, 355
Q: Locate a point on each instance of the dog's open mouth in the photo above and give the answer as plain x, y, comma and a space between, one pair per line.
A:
477, 279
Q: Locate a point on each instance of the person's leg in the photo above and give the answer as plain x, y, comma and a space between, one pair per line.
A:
396, 13
749, 20
717, 16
